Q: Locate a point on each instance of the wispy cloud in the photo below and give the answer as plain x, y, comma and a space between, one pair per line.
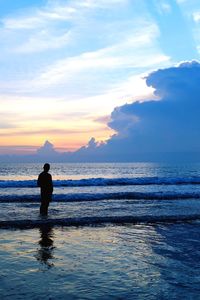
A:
196, 16
100, 3
57, 11
123, 55
45, 132
43, 41
39, 18
163, 6
41, 29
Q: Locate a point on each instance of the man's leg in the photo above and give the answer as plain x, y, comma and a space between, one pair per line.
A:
45, 199
42, 208
46, 206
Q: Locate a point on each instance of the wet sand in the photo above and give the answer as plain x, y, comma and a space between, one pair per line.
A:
104, 262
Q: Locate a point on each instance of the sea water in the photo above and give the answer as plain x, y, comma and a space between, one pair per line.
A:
136, 233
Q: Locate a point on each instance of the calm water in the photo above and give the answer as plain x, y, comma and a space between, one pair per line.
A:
112, 262
141, 261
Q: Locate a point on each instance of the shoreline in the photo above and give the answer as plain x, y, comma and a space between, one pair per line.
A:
87, 221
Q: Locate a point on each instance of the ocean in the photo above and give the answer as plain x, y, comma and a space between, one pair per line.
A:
114, 231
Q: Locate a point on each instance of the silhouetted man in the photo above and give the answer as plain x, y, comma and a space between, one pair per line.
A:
45, 183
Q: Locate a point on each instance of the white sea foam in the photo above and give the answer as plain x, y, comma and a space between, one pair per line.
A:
78, 197
105, 182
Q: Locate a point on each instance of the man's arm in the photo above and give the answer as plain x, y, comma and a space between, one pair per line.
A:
39, 181
51, 183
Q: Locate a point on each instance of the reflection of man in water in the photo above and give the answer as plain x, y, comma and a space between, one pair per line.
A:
46, 185
45, 253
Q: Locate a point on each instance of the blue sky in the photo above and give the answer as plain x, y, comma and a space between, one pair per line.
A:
66, 65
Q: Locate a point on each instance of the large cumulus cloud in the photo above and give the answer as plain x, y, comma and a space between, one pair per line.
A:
170, 124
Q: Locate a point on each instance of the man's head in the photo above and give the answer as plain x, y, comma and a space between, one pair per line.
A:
46, 167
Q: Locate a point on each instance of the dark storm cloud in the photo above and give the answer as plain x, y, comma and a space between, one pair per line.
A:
170, 124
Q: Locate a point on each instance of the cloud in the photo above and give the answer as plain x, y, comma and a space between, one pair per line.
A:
101, 3
53, 132
6, 125
181, 1
42, 28
136, 51
196, 16
18, 150
102, 119
42, 41
36, 30
78, 49
47, 150
168, 125
171, 124
163, 7
38, 18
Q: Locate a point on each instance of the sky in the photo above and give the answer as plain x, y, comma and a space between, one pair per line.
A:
72, 71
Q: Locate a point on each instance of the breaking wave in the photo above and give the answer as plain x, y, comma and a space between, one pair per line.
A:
78, 197
105, 182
